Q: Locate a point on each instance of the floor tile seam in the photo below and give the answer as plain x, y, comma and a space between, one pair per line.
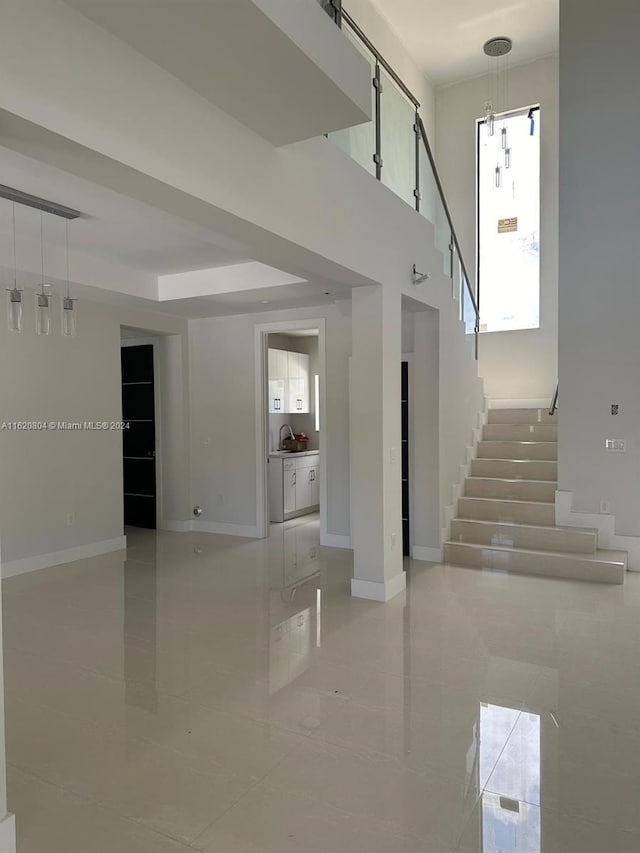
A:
88, 800
237, 801
93, 727
489, 775
560, 812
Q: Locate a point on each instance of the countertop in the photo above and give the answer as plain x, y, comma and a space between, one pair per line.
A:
284, 454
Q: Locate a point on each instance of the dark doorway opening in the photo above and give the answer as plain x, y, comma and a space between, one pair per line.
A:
139, 438
406, 529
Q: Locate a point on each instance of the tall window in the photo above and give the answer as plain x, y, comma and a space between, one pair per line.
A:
508, 166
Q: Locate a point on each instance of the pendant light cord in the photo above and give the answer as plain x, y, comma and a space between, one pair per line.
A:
15, 254
66, 227
42, 248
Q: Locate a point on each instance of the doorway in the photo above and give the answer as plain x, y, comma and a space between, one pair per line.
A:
139, 437
303, 386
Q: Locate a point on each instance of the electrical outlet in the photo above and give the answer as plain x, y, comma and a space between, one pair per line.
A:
221, 499
605, 507
615, 408
71, 517
393, 455
394, 541
617, 445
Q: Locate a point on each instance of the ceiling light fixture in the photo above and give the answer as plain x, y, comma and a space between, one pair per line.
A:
497, 51
43, 299
69, 310
14, 296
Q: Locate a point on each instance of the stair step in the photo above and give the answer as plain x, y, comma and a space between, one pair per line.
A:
546, 450
519, 512
522, 416
506, 489
520, 432
603, 566
539, 538
515, 469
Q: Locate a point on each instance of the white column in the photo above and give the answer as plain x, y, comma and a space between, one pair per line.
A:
376, 449
7, 821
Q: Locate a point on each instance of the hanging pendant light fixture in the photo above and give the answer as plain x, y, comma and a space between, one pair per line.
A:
69, 309
43, 298
14, 296
497, 50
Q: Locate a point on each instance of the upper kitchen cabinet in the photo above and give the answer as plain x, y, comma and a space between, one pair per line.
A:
298, 366
278, 382
288, 383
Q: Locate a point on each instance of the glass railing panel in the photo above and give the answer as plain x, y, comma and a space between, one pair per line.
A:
432, 208
468, 309
398, 141
359, 142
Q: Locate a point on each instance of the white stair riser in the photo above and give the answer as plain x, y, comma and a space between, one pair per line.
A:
516, 490
545, 450
521, 416
568, 566
537, 538
516, 469
514, 511
520, 432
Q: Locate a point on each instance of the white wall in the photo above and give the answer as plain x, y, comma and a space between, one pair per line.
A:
519, 364
45, 474
223, 415
599, 351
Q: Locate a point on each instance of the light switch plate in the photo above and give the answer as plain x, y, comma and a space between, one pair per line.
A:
617, 445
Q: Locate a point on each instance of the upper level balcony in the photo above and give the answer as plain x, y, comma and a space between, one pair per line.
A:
281, 67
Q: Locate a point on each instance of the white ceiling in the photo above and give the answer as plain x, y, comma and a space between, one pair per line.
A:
139, 245
446, 37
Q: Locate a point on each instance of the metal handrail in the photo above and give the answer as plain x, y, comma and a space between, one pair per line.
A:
554, 402
447, 213
380, 58
421, 133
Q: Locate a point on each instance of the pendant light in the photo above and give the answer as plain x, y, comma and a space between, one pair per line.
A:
14, 296
43, 299
69, 310
497, 51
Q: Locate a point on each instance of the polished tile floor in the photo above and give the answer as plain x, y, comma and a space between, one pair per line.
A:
228, 696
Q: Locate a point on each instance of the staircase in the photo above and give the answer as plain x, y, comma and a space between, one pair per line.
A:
506, 518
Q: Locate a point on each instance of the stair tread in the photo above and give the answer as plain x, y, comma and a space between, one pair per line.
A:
507, 480
500, 459
546, 527
600, 556
506, 500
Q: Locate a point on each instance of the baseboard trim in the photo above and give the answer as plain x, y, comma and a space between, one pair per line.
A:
426, 554
8, 834
566, 516
246, 531
176, 526
335, 540
56, 558
379, 590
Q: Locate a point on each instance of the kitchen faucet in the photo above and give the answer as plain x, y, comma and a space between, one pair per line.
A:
291, 433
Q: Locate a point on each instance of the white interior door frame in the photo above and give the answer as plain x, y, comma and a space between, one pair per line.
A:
261, 333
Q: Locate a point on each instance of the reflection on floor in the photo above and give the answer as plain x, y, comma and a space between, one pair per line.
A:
229, 696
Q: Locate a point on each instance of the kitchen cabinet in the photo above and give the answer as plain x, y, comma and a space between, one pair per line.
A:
294, 485
314, 477
289, 486
278, 382
288, 382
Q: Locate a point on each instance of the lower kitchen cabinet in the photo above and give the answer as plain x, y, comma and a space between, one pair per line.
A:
294, 486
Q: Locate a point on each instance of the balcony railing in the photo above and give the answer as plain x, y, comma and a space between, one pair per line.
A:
395, 148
